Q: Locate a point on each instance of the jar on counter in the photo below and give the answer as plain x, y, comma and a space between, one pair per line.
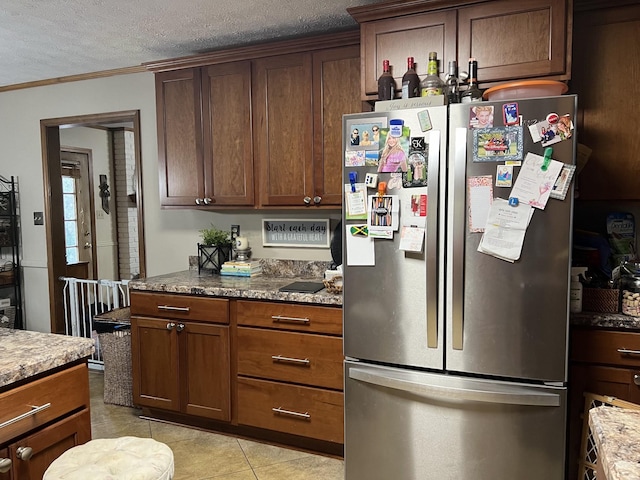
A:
630, 288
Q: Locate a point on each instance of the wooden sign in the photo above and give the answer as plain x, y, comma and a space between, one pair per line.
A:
295, 233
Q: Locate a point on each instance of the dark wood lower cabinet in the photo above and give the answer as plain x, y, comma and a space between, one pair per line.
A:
599, 365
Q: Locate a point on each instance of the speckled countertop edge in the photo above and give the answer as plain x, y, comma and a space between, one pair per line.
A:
616, 433
605, 320
261, 287
24, 354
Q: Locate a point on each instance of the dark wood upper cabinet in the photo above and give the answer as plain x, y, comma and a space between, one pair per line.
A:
607, 81
510, 40
205, 155
180, 167
516, 40
299, 100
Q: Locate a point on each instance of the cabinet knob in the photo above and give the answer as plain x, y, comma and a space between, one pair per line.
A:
636, 379
317, 199
207, 201
170, 326
180, 327
24, 453
307, 200
198, 201
5, 465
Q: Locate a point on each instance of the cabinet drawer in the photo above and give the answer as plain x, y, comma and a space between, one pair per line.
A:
605, 347
290, 317
182, 307
64, 392
306, 411
291, 357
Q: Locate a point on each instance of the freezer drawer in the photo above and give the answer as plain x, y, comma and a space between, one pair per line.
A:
410, 425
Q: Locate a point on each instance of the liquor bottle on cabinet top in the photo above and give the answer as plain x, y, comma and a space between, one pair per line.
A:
386, 83
410, 81
452, 83
472, 93
432, 84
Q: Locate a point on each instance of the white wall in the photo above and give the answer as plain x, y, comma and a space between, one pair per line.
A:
171, 235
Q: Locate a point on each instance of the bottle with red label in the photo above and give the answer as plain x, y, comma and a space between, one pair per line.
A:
410, 81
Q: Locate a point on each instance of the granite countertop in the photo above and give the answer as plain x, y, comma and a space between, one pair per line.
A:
275, 274
24, 354
605, 320
616, 432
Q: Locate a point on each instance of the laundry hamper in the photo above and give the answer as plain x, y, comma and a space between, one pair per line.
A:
116, 354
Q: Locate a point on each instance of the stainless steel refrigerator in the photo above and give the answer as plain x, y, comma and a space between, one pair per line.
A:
456, 360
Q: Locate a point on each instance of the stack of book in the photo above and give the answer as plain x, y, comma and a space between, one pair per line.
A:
236, 268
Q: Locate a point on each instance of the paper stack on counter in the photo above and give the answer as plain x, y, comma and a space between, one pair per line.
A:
237, 268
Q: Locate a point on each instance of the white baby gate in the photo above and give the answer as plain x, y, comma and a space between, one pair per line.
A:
83, 300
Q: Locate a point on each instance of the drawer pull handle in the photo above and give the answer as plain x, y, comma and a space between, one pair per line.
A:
289, 412
280, 358
280, 318
173, 309
30, 413
626, 351
5, 465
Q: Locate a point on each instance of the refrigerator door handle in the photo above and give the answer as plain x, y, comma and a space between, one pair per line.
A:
457, 228
443, 393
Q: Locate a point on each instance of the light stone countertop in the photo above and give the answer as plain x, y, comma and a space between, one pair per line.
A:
616, 432
24, 354
261, 287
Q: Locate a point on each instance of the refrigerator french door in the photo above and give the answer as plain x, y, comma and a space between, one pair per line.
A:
457, 360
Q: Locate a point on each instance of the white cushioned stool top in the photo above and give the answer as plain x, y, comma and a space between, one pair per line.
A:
124, 458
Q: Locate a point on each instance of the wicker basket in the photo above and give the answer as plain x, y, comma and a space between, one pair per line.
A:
116, 353
334, 285
600, 300
7, 277
7, 317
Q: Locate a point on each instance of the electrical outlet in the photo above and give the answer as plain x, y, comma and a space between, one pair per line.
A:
99, 214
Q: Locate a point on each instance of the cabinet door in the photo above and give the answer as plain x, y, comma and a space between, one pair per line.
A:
335, 93
49, 443
204, 370
179, 137
395, 39
154, 349
515, 39
228, 150
606, 81
283, 132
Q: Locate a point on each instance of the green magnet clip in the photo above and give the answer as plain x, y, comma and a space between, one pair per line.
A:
547, 158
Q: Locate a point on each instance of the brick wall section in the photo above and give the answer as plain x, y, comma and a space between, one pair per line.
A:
126, 210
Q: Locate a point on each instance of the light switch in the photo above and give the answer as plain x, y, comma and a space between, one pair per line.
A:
38, 218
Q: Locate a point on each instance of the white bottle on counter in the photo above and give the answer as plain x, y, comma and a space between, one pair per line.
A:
575, 295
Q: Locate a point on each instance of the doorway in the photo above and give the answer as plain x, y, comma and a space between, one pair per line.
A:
54, 209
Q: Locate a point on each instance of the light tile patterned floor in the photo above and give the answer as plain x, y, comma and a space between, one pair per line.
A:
201, 455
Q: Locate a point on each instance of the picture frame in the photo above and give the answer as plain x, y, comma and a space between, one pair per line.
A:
368, 133
497, 144
312, 233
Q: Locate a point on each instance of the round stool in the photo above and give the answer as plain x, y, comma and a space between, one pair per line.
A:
110, 458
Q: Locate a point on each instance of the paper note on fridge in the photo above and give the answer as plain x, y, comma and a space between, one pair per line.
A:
533, 184
360, 248
505, 229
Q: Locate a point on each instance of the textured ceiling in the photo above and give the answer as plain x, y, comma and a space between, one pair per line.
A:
45, 39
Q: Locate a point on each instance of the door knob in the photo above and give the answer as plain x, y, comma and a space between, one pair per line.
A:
170, 326
180, 327
24, 453
5, 465
307, 200
198, 201
636, 379
317, 199
207, 201
87, 245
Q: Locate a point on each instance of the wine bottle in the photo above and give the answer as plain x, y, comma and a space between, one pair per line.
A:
386, 83
410, 81
472, 93
452, 83
432, 84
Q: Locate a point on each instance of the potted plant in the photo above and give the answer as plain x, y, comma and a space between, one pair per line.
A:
214, 250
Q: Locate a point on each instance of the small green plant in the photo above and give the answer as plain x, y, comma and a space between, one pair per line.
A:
215, 237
